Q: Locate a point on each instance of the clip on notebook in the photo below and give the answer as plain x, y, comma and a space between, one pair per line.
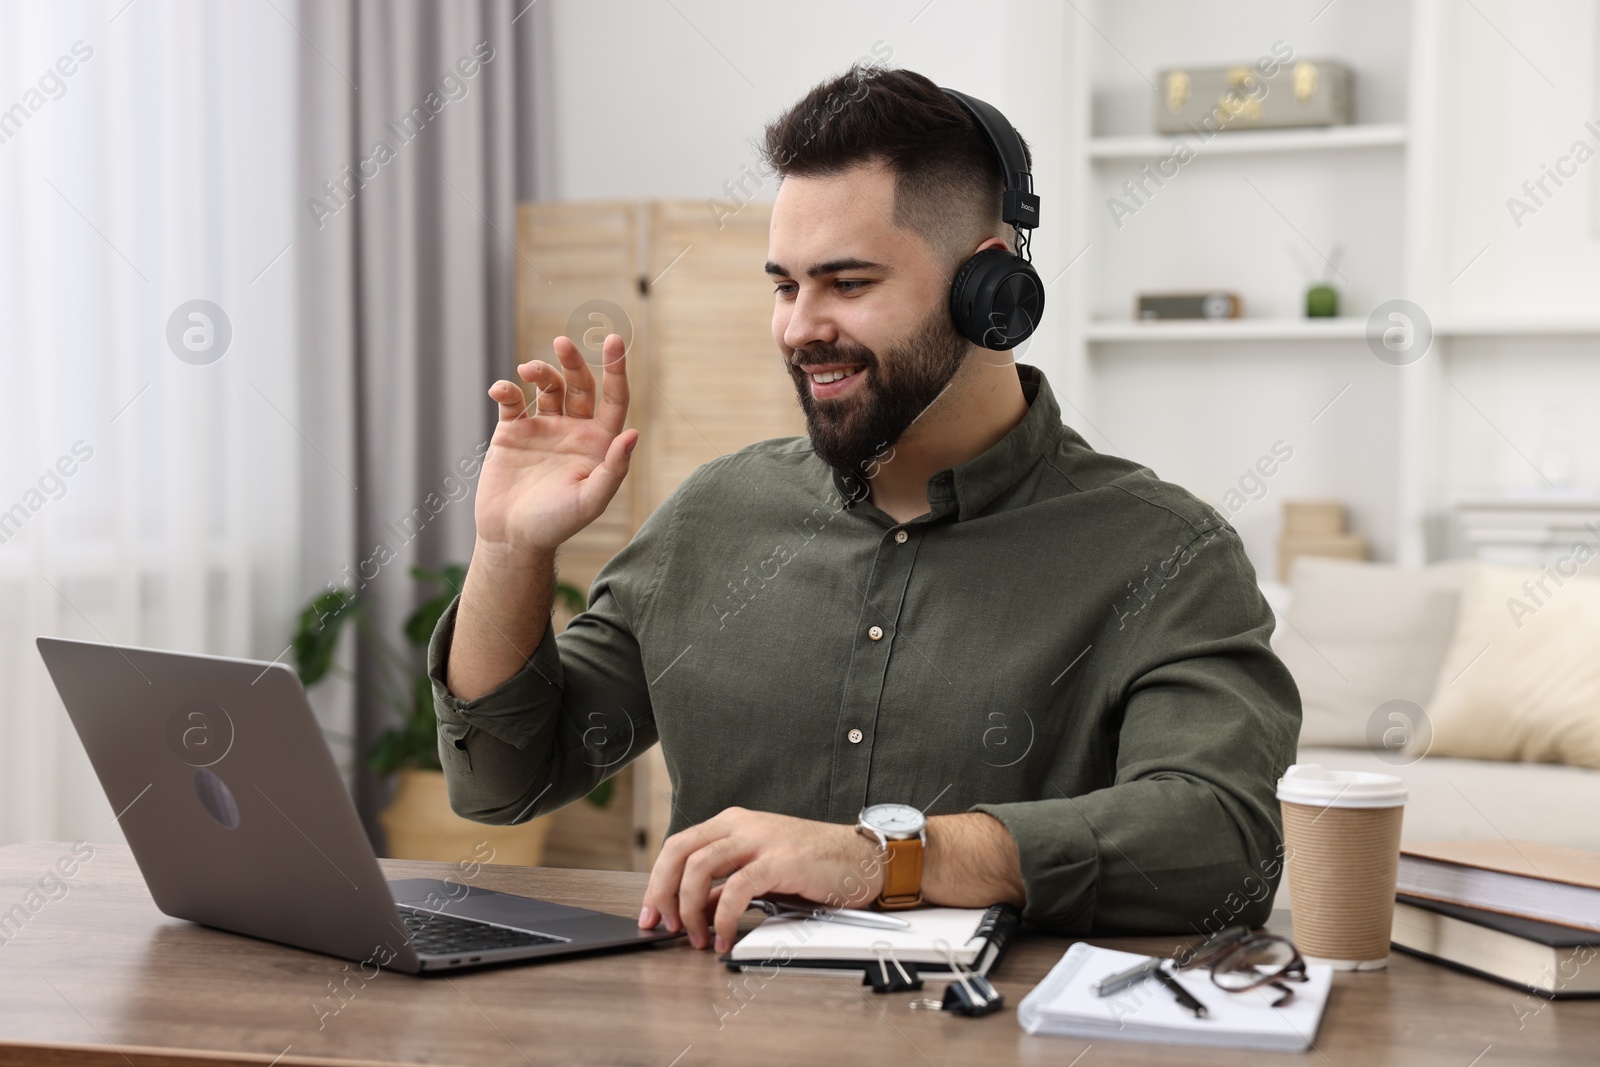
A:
889, 975
969, 994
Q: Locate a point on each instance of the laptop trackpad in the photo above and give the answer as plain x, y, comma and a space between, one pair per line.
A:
470, 902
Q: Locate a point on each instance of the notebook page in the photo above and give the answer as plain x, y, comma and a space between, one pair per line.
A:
810, 939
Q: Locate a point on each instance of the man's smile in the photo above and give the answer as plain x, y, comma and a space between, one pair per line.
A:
829, 380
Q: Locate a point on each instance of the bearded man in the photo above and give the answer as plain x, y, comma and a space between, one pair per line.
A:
937, 650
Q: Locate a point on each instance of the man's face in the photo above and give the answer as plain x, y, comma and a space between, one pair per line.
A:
861, 313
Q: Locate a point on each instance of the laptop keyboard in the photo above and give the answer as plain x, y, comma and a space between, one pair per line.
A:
445, 935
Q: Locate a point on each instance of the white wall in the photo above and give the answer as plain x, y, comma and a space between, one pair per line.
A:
651, 100
665, 100
1519, 93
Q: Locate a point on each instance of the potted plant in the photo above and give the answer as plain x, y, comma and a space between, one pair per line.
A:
418, 820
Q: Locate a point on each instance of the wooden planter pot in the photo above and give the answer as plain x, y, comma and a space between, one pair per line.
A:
421, 826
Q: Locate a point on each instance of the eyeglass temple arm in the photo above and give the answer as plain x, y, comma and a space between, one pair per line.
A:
1226, 936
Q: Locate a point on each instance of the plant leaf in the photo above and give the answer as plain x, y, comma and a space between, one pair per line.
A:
386, 754
317, 635
420, 624
601, 796
413, 741
571, 597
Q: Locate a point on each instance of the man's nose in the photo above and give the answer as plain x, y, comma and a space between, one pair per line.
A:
808, 324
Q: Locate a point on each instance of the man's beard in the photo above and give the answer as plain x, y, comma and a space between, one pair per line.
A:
849, 433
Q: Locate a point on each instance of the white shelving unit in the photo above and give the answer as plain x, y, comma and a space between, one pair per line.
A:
1414, 190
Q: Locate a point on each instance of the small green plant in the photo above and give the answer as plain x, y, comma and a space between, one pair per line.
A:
396, 679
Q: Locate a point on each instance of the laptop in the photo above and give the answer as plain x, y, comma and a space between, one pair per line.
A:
238, 819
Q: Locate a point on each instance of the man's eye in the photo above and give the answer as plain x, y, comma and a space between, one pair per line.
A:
784, 287
855, 283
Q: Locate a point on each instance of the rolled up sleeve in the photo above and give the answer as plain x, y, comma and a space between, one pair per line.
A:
577, 712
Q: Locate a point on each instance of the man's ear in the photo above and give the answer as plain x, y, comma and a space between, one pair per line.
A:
993, 242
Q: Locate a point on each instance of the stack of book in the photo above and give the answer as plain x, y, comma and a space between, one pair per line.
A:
1518, 912
1316, 528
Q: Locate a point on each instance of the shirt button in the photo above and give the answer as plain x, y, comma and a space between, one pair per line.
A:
876, 633
900, 537
854, 736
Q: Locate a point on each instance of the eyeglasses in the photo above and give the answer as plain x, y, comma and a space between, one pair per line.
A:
1241, 961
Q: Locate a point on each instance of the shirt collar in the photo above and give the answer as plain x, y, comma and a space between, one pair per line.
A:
967, 488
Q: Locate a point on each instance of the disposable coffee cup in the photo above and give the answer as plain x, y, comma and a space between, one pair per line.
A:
1341, 832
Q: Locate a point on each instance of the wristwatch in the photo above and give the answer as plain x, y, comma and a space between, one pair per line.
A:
901, 832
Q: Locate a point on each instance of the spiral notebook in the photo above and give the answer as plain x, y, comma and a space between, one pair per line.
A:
975, 938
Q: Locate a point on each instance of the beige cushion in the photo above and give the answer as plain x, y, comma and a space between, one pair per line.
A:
1522, 678
1358, 635
1482, 800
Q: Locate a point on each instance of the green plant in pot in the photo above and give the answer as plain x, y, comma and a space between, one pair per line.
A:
418, 821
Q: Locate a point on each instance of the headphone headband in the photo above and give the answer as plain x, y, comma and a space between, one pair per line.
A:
1021, 205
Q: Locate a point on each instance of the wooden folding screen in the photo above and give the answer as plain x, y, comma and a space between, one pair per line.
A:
705, 379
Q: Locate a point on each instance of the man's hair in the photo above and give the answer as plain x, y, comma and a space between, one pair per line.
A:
948, 185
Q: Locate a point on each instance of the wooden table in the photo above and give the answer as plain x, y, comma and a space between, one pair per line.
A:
98, 976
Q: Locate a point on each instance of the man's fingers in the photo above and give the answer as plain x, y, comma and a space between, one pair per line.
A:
715, 860
513, 404
604, 481
661, 894
580, 380
733, 900
551, 385
612, 412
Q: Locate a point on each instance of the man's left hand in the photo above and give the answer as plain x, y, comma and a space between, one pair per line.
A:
758, 853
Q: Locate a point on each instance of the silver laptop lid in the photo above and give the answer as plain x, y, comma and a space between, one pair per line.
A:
229, 797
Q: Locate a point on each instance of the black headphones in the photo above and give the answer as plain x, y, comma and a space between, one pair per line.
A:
997, 298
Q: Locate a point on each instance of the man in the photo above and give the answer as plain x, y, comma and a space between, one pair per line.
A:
941, 598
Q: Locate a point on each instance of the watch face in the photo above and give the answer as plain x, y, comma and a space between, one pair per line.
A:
894, 820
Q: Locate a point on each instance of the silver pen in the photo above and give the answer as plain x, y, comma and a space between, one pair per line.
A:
783, 908
1122, 979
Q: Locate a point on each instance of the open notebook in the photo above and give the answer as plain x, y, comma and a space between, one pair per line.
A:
976, 937
1147, 1011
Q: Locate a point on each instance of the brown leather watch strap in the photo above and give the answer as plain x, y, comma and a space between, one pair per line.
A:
902, 875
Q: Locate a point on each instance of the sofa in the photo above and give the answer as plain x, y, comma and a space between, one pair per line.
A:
1478, 685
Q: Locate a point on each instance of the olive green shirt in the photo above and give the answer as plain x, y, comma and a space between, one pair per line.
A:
1063, 641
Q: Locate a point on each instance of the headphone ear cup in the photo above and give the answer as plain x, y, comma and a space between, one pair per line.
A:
996, 299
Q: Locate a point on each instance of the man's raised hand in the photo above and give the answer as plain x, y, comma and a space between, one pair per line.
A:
553, 466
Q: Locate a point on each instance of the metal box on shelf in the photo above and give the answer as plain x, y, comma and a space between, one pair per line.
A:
1306, 92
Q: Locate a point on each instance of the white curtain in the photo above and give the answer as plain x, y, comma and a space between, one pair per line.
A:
149, 491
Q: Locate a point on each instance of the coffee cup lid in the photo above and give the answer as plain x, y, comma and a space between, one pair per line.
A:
1312, 783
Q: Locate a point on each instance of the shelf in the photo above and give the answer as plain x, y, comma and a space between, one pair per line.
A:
1386, 135
1228, 330
1326, 329
1517, 326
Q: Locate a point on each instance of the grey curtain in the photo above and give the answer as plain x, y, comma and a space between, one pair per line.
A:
415, 144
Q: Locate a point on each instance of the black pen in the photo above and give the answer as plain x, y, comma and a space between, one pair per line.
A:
1185, 998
